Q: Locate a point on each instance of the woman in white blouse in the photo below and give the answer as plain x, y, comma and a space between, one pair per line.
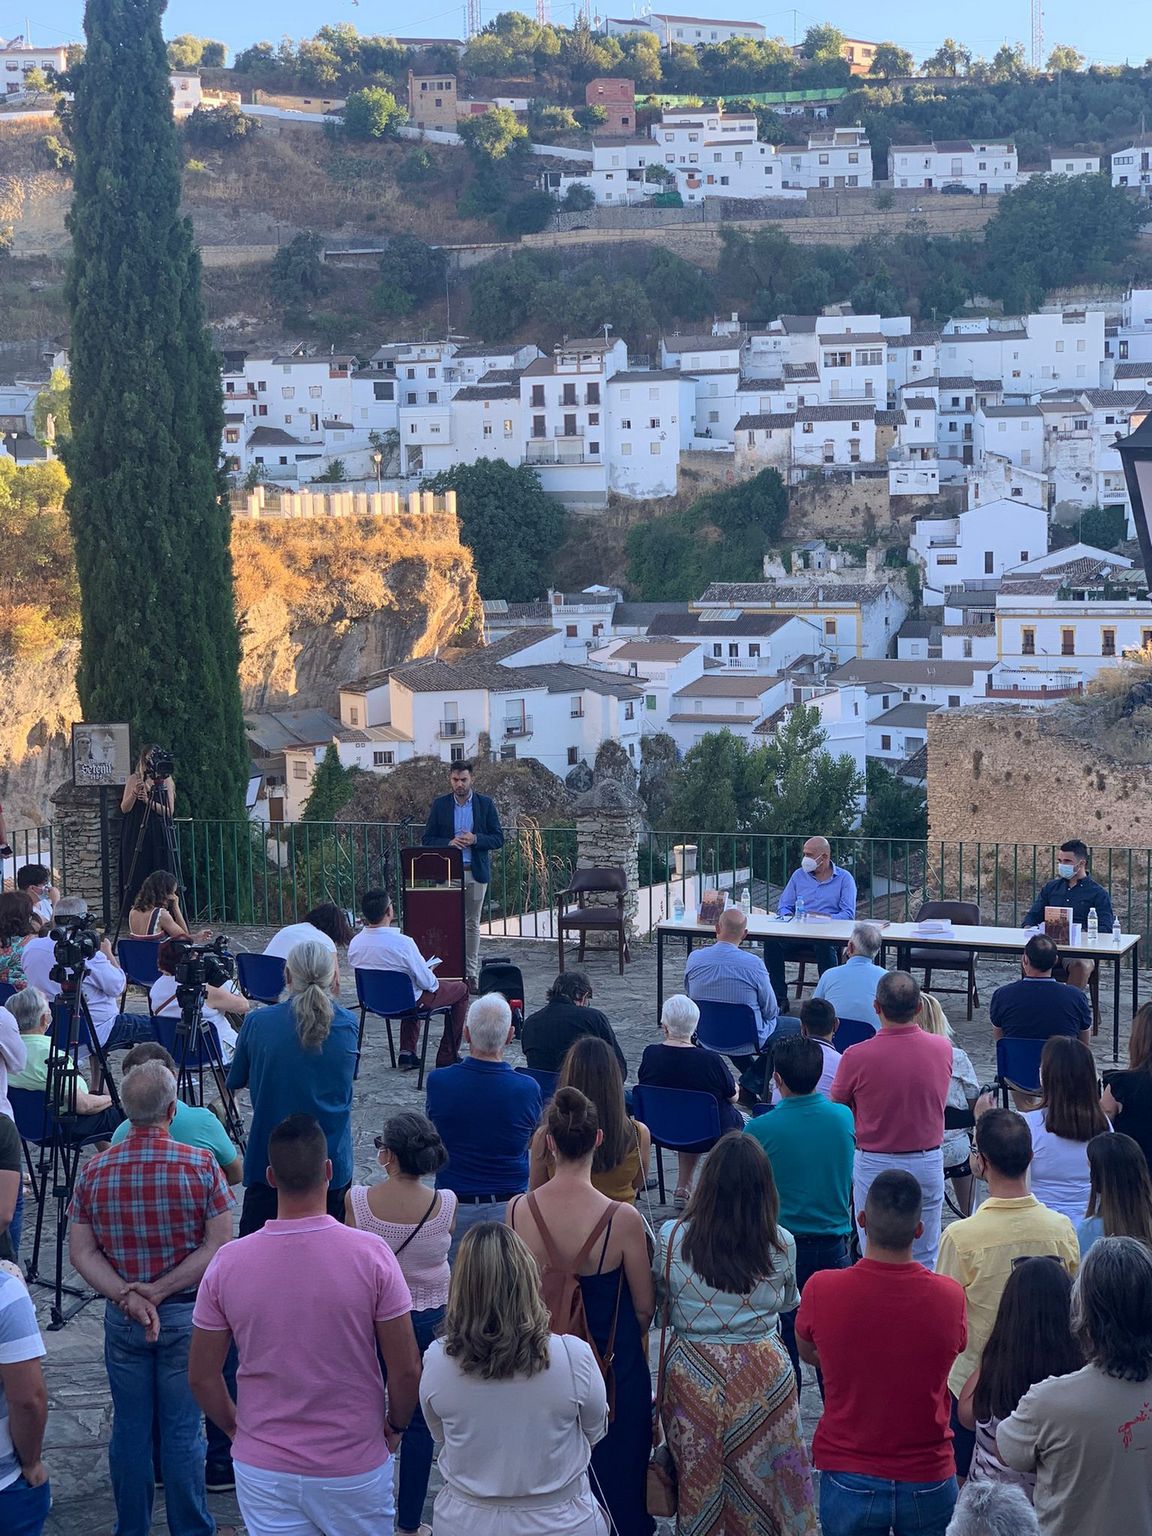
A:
514, 1408
1066, 1121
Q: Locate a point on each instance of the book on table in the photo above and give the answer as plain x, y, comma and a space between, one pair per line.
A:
1058, 924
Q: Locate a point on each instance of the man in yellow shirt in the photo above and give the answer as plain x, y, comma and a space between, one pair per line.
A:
979, 1251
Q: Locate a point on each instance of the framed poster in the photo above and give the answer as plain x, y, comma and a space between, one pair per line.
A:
101, 754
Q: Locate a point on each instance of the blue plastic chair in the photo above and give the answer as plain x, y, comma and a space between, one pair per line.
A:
7, 990
138, 960
390, 995
1018, 1065
166, 1026
261, 977
851, 1032
546, 1080
728, 1028
676, 1118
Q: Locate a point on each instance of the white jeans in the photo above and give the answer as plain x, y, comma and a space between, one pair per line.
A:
927, 1168
288, 1504
474, 894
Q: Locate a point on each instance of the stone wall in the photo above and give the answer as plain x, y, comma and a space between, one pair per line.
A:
608, 825
77, 847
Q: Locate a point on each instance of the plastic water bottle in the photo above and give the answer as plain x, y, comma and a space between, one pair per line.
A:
1093, 925
1117, 933
678, 910
746, 901
800, 909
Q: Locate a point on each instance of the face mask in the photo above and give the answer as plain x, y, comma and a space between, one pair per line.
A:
809, 865
1065, 871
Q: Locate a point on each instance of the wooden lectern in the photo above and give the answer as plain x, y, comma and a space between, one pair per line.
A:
434, 906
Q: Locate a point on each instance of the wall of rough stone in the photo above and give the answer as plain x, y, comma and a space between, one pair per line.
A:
610, 836
77, 847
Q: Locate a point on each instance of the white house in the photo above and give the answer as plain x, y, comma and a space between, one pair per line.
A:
946, 684
650, 422
18, 59
1132, 167
563, 398
852, 365
1031, 355
732, 638
713, 365
832, 157
898, 733
843, 718
723, 701
660, 666
1058, 626
717, 154
692, 31
1016, 432
833, 436
981, 542
851, 617
979, 166
1073, 162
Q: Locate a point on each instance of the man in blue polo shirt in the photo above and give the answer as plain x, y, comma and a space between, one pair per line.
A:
1038, 1006
486, 1114
821, 887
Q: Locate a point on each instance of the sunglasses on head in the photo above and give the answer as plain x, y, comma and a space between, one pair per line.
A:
380, 1144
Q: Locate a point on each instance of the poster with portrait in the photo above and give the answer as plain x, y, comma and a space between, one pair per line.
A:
101, 754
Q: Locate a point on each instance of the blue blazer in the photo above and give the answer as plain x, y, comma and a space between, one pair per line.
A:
441, 829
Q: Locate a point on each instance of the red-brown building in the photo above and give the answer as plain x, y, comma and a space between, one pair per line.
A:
618, 98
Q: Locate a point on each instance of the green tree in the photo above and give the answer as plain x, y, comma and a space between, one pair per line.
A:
185, 51
529, 214
1103, 527
592, 117
891, 61
37, 84
721, 537
659, 762
578, 198
52, 413
951, 58
1009, 62
721, 786
148, 505
372, 113
333, 786
218, 127
823, 43
1064, 60
411, 273
297, 271
895, 810
494, 135
808, 787
214, 55
511, 526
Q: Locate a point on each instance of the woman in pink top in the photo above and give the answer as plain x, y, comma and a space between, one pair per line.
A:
417, 1224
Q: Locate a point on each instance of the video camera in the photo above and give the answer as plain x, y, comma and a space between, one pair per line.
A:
159, 763
75, 941
205, 965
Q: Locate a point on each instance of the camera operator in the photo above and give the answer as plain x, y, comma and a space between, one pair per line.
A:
150, 798
104, 981
219, 1001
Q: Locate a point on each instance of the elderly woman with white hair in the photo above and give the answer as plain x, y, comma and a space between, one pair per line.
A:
993, 1509
298, 1057
678, 1062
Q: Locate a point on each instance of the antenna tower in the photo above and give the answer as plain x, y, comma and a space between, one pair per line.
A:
473, 22
1037, 34
543, 13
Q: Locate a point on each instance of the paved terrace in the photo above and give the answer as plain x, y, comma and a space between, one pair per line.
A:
80, 1411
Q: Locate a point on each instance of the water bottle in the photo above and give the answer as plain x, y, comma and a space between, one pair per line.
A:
1117, 933
678, 910
1093, 925
800, 909
746, 901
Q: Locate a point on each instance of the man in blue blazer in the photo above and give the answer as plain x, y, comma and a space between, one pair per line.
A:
470, 822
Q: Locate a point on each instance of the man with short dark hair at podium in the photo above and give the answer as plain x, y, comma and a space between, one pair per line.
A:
470, 822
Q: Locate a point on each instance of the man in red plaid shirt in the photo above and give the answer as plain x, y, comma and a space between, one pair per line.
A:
147, 1216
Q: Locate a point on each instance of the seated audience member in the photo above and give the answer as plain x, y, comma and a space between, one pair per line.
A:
1068, 1117
156, 913
515, 1434
13, 1055
851, 986
419, 1232
298, 1464
884, 1333
1074, 887
810, 1143
18, 925
326, 924
826, 891
993, 1509
963, 1091
1120, 1195
818, 1022
219, 1002
87, 1116
36, 879
192, 1125
675, 1062
381, 947
620, 1167
1088, 1435
1127, 1097
1031, 1340
979, 1251
1038, 1006
566, 1016
25, 1493
731, 1413
725, 973
103, 985
485, 1114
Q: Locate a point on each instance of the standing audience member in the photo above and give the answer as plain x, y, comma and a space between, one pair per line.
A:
1127, 1097
726, 1271
297, 1058
979, 1251
1038, 1006
810, 1144
1031, 1340
25, 1493
818, 1022
993, 1509
851, 986
146, 1219
963, 1091
485, 1114
725, 973
156, 911
1074, 887
36, 879
515, 1408
620, 1166
885, 1334
581, 1238
11, 1191
826, 890
1120, 1197
419, 1232
307, 1303
13, 1055
1068, 1117
102, 988
191, 1124
896, 1085
566, 1016
146, 804
1088, 1435
676, 1062
17, 926
379, 946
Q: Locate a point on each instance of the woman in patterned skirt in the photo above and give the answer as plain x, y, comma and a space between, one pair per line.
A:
725, 1271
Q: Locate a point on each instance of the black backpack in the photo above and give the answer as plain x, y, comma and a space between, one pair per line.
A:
500, 975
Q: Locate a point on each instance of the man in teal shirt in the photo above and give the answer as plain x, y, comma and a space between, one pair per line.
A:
192, 1126
810, 1143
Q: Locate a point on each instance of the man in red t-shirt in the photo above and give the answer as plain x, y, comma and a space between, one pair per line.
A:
885, 1334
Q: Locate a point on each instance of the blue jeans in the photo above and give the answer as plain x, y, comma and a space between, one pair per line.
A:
812, 1254
416, 1446
852, 1505
151, 1381
130, 1029
471, 1216
23, 1510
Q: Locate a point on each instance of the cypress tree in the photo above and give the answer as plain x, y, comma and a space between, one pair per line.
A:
160, 646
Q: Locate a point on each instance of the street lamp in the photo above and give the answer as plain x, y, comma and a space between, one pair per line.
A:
1136, 456
378, 460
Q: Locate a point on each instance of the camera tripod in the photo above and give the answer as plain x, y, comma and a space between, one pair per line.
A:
156, 806
196, 1048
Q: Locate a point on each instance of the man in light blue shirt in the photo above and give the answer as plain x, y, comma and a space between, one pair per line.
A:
823, 888
725, 973
851, 987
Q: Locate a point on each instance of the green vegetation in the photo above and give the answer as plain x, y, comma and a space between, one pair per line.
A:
372, 113
333, 786
52, 413
149, 513
411, 273
895, 810
188, 52
722, 537
512, 528
297, 272
218, 127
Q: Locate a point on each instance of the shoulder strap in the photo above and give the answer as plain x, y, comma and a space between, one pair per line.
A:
550, 1252
658, 1403
605, 1220
398, 1251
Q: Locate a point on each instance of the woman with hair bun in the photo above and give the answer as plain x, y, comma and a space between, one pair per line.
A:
571, 1228
418, 1229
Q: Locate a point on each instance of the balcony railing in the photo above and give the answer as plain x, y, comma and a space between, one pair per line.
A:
518, 728
451, 730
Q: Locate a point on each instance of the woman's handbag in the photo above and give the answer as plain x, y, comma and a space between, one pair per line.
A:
661, 1486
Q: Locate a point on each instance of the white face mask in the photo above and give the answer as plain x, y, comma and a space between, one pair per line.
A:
1065, 871
809, 865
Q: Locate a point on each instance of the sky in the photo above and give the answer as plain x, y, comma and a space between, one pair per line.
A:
1121, 32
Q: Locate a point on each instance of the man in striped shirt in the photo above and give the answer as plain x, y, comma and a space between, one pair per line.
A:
25, 1497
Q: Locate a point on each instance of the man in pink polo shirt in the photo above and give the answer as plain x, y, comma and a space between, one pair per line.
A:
307, 1300
896, 1086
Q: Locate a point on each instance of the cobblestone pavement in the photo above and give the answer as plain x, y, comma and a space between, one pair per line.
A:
80, 1412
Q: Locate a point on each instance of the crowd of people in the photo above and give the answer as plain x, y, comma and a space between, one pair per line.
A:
496, 1299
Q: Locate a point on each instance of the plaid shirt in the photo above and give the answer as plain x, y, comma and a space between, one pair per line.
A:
148, 1201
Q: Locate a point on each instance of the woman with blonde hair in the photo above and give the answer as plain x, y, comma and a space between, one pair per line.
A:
1127, 1096
514, 1408
297, 1057
963, 1091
